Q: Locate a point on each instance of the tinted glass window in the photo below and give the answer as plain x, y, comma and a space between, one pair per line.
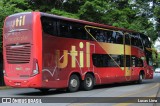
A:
128, 61
119, 38
77, 31
148, 56
145, 40
104, 60
108, 36
64, 29
137, 62
127, 39
100, 36
49, 25
136, 41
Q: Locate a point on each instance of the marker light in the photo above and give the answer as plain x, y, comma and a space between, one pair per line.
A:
4, 72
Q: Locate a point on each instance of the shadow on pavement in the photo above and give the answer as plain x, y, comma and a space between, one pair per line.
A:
63, 91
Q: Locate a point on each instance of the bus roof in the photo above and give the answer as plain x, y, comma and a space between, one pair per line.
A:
79, 21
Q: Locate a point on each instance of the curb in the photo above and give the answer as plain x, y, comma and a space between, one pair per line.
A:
5, 87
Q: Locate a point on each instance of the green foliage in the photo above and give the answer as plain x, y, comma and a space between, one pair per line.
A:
8, 7
130, 14
64, 13
94, 11
72, 6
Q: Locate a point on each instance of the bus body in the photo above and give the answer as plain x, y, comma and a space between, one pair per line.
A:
48, 51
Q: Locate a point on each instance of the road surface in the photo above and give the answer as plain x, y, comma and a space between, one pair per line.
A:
149, 88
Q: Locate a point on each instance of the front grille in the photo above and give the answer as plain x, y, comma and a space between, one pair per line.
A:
18, 54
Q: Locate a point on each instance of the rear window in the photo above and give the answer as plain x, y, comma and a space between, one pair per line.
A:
18, 22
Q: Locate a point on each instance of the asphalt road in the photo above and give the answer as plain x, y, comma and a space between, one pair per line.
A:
149, 88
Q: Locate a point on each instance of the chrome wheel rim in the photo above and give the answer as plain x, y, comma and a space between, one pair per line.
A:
141, 77
88, 82
74, 83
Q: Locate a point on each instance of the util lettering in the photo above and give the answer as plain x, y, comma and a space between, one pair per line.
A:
20, 21
77, 58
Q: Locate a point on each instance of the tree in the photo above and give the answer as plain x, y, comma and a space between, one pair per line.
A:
157, 15
129, 14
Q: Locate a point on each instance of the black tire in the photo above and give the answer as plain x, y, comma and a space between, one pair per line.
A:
140, 80
44, 90
88, 82
74, 83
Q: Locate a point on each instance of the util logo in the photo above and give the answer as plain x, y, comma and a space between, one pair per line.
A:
20, 21
77, 56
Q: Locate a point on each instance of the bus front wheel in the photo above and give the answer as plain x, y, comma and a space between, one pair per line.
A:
140, 78
88, 82
74, 83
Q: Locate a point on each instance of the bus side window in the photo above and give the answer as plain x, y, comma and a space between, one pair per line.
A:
119, 38
94, 33
77, 31
113, 39
114, 61
100, 36
49, 25
137, 62
133, 41
136, 41
100, 60
97, 60
128, 61
104, 60
64, 29
89, 35
110, 38
133, 61
127, 39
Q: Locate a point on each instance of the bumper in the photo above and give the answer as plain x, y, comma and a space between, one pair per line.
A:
32, 82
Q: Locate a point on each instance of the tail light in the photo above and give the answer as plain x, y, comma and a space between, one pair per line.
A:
4, 72
35, 67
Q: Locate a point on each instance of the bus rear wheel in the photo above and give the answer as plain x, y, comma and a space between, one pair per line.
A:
88, 82
74, 83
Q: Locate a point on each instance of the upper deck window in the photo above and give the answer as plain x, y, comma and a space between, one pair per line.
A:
127, 39
136, 41
119, 38
145, 41
18, 22
49, 25
71, 30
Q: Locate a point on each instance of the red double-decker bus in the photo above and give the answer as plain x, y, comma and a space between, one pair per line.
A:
45, 51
